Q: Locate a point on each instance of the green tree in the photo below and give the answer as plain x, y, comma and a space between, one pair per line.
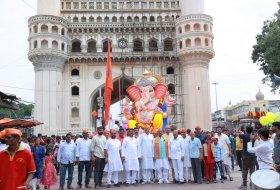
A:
266, 53
23, 111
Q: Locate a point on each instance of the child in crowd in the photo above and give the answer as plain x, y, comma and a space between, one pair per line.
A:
49, 177
218, 155
209, 160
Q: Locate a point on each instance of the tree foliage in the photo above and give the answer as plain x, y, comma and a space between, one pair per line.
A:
266, 53
24, 111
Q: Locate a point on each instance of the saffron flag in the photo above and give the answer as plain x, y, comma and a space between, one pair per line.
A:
108, 86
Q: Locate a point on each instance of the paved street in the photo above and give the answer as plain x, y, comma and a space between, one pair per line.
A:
226, 185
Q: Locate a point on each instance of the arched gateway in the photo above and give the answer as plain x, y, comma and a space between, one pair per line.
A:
120, 84
67, 43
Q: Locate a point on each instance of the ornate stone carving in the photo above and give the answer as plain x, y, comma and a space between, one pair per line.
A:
97, 74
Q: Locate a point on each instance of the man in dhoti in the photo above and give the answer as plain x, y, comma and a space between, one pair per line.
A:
187, 160
130, 157
176, 154
161, 156
112, 152
146, 154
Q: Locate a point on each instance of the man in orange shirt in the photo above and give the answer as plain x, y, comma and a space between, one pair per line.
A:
16, 163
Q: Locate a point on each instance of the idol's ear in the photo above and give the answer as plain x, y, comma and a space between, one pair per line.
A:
134, 92
160, 90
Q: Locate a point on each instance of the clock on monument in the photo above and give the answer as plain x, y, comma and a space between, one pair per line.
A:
122, 43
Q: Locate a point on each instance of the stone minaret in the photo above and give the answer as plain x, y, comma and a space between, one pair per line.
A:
48, 52
195, 49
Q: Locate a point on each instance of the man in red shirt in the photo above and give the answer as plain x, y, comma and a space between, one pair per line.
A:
16, 163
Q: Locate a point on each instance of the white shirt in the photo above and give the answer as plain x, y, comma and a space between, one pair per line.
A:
263, 152
176, 148
113, 147
25, 146
224, 142
130, 152
146, 150
187, 159
83, 149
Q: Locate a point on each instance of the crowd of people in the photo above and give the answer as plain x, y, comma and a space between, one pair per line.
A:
135, 156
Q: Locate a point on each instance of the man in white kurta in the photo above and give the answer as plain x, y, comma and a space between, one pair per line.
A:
130, 157
226, 149
146, 154
187, 160
176, 154
112, 152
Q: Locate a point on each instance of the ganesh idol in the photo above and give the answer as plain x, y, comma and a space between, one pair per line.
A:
151, 102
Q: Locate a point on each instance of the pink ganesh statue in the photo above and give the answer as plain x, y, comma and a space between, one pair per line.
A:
151, 102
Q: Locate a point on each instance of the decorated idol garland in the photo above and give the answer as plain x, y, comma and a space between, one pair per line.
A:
151, 102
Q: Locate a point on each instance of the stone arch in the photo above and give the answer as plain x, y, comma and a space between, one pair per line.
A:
167, 18
180, 30
55, 29
75, 112
171, 88
137, 45
106, 19
170, 70
168, 44
187, 28
62, 31
44, 44
136, 19
188, 42
159, 19
105, 46
91, 19
75, 91
76, 46
44, 28
99, 19
35, 29
180, 45
62, 46
75, 19
153, 44
205, 27
35, 44
123, 81
121, 19
75, 72
114, 19
144, 19
54, 44
196, 27
83, 19
152, 19
206, 42
129, 19
91, 46
197, 42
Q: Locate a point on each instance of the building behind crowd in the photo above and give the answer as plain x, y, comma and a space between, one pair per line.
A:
68, 48
248, 112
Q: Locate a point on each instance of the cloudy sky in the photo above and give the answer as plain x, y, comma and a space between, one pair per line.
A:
236, 23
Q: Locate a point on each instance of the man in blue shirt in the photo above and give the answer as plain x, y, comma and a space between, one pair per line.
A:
66, 159
196, 156
248, 159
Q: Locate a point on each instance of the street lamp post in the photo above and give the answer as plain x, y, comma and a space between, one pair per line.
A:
216, 83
